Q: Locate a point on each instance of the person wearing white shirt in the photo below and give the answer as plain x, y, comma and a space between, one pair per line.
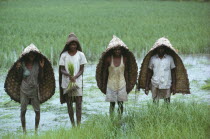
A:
161, 75
72, 53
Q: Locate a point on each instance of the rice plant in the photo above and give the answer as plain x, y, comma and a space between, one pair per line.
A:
207, 85
138, 23
72, 86
177, 120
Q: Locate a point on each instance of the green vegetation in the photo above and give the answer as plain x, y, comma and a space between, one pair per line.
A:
207, 85
138, 23
177, 120
7, 116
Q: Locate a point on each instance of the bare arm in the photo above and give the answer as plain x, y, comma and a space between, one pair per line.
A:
81, 70
73, 79
63, 71
148, 79
126, 67
173, 75
107, 63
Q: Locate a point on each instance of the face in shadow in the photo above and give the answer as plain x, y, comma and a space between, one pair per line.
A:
117, 51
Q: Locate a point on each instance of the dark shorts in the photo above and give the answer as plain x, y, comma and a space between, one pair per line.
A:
24, 100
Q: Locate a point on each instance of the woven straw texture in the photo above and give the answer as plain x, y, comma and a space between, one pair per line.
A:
130, 66
14, 78
182, 82
71, 38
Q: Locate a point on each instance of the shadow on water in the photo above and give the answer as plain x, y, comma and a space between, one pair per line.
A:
54, 115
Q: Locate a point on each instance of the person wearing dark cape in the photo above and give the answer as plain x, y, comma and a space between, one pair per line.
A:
116, 73
72, 55
30, 81
163, 72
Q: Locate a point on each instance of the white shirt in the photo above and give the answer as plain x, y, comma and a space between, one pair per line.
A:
77, 60
161, 71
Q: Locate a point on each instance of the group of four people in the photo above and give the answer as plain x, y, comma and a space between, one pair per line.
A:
31, 80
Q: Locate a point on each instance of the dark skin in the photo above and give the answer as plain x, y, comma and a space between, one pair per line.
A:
161, 52
72, 51
29, 65
117, 53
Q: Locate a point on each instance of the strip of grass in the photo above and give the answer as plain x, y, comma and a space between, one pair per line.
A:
207, 85
177, 120
138, 23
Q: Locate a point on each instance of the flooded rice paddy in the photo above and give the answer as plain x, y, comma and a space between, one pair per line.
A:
54, 115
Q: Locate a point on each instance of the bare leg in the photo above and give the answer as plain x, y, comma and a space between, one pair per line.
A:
79, 109
23, 120
70, 110
167, 100
156, 97
37, 118
120, 108
111, 108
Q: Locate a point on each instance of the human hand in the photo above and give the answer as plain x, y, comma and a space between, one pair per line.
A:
146, 90
72, 78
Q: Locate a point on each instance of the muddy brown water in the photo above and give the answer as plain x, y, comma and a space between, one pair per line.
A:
54, 115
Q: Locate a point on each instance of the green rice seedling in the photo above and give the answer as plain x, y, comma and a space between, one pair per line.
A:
176, 120
72, 86
137, 23
207, 85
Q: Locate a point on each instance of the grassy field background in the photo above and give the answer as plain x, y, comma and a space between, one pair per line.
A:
175, 121
47, 23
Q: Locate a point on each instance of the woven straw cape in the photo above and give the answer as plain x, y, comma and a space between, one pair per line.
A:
14, 78
71, 38
130, 66
182, 82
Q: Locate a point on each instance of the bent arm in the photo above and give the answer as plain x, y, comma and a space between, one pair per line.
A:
105, 72
148, 78
81, 70
173, 76
63, 71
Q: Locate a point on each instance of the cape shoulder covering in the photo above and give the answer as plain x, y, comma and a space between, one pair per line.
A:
14, 78
130, 66
182, 81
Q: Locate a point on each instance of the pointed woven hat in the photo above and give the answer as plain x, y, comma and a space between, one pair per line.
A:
116, 42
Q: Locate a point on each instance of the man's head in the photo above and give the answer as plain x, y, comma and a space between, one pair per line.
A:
73, 46
31, 56
161, 50
117, 51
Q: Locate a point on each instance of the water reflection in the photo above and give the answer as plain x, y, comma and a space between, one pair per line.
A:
54, 115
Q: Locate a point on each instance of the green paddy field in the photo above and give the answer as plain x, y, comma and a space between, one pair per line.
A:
47, 23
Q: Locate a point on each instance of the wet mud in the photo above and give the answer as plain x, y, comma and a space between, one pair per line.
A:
54, 115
